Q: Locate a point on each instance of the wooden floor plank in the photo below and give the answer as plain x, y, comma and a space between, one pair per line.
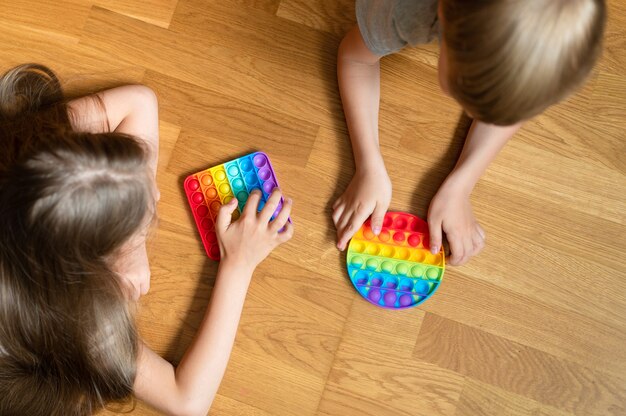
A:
519, 369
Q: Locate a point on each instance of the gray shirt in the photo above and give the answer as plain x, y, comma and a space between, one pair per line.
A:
389, 25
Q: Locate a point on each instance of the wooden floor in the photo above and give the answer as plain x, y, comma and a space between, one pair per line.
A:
535, 326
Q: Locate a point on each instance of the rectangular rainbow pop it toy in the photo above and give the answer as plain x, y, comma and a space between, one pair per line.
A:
395, 269
209, 189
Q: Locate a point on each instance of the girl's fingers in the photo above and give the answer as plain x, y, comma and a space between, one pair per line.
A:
253, 203
270, 206
224, 215
282, 217
286, 234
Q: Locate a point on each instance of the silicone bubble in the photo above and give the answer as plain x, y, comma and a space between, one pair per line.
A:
395, 269
207, 190
374, 295
246, 164
207, 180
193, 185
197, 198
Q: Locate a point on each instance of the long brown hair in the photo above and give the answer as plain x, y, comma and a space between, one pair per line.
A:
69, 200
508, 60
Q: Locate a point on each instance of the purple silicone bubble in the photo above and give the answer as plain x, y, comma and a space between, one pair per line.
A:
374, 295
265, 174
390, 298
391, 284
268, 187
259, 161
376, 281
278, 208
406, 300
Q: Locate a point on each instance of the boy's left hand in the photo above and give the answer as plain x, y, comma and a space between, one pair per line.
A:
451, 212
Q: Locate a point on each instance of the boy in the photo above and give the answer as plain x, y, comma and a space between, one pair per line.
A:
504, 61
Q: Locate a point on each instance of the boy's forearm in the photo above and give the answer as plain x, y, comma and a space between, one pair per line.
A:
483, 143
202, 368
358, 73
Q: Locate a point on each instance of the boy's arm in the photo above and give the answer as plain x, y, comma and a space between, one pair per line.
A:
450, 210
369, 192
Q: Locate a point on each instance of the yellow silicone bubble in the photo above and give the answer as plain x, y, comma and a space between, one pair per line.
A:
419, 256
358, 247
224, 188
403, 253
220, 175
373, 249
387, 251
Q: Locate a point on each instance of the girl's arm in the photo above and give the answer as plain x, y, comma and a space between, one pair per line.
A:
190, 388
131, 109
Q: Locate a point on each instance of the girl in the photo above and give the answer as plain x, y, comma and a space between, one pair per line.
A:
77, 197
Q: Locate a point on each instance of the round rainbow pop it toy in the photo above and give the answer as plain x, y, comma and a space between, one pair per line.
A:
395, 269
209, 189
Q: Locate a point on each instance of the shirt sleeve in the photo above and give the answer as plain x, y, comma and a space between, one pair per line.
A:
389, 25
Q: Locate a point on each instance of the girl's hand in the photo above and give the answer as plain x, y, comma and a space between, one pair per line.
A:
369, 193
250, 239
451, 212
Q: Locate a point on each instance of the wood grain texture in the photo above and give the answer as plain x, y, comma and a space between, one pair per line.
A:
534, 326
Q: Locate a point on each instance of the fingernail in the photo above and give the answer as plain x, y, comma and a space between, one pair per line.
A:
434, 249
376, 230
289, 201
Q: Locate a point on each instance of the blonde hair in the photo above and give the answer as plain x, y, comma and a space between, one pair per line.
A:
68, 202
508, 60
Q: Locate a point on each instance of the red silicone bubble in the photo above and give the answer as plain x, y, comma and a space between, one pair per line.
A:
197, 198
193, 185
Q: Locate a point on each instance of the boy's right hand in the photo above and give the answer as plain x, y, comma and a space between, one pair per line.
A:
369, 193
250, 239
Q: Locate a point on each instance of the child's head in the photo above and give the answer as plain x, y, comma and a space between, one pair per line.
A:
506, 61
69, 201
